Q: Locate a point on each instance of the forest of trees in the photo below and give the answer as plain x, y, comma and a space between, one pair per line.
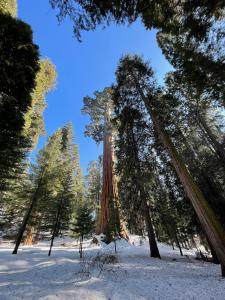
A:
162, 170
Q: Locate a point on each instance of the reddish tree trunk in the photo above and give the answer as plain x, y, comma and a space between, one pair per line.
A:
109, 196
107, 185
29, 237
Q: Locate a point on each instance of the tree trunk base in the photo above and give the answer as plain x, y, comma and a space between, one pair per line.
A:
29, 238
223, 271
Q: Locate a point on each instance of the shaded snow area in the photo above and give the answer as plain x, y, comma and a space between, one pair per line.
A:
31, 274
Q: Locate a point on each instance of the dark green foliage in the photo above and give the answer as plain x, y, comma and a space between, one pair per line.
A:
62, 188
55, 189
19, 65
197, 127
19, 56
83, 224
99, 110
134, 168
94, 184
191, 17
199, 64
84, 221
135, 85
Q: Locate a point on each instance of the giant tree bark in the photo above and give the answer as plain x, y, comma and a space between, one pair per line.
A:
108, 191
109, 197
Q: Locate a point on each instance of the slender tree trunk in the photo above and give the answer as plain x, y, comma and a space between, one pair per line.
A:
177, 242
27, 215
24, 224
115, 246
55, 229
207, 217
172, 245
81, 246
154, 251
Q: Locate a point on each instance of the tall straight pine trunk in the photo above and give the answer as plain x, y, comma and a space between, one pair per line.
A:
154, 251
209, 221
211, 226
56, 224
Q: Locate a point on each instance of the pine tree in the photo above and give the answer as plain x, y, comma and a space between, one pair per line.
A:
94, 185
55, 187
198, 63
200, 138
132, 153
134, 75
45, 183
83, 225
193, 18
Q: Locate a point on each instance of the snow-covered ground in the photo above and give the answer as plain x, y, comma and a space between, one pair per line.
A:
31, 274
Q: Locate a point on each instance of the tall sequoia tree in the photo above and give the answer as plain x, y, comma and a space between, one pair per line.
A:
100, 110
135, 82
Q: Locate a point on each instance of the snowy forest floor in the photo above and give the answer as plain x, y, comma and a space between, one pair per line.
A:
31, 274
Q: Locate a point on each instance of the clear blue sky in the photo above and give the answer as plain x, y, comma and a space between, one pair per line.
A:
83, 67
